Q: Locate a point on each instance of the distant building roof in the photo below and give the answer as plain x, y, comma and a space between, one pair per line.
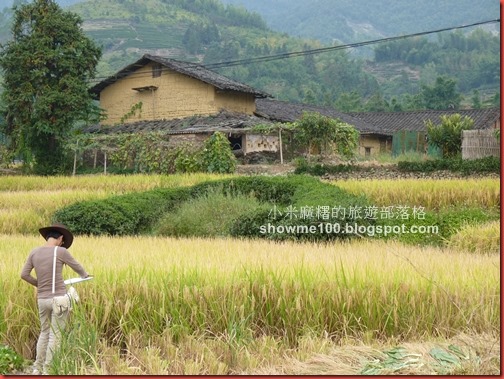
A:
224, 121
192, 70
282, 111
391, 122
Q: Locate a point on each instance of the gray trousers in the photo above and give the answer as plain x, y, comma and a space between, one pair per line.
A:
51, 326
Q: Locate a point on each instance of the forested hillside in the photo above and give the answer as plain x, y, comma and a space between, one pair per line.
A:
206, 31
357, 20
209, 32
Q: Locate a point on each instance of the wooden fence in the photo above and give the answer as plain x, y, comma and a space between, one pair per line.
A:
479, 144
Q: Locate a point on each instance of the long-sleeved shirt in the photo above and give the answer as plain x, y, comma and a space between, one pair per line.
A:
41, 259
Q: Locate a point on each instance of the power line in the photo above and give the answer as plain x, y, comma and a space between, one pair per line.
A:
339, 47
270, 58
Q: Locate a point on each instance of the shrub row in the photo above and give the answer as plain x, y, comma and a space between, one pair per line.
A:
277, 216
138, 213
466, 166
129, 214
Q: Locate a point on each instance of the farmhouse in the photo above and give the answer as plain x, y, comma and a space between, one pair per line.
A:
409, 131
189, 103
370, 135
381, 132
184, 99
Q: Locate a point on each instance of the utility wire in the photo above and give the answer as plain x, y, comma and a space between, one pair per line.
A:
339, 47
294, 54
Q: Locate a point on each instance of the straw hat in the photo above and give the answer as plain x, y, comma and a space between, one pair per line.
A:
60, 228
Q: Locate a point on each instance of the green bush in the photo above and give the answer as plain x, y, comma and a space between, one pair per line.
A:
449, 222
217, 155
264, 189
9, 360
309, 195
447, 136
465, 166
138, 212
120, 215
211, 214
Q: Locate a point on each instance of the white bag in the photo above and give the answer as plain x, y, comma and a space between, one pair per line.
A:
74, 296
61, 304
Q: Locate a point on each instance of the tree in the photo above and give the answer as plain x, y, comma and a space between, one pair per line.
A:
376, 103
46, 67
476, 100
349, 102
447, 136
326, 134
442, 95
217, 156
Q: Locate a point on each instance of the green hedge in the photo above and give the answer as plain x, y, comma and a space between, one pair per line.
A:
465, 166
120, 215
308, 192
138, 213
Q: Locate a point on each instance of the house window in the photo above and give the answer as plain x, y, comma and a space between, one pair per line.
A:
157, 68
367, 151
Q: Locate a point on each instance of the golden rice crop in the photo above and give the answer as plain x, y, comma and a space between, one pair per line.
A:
26, 202
242, 289
477, 238
428, 193
109, 183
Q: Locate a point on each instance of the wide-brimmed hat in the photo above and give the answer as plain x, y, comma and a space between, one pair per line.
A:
60, 228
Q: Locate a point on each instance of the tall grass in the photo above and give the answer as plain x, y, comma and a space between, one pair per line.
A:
211, 214
27, 202
240, 290
483, 239
429, 193
110, 183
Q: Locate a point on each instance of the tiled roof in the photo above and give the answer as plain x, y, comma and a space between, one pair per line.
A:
192, 70
391, 122
224, 121
282, 111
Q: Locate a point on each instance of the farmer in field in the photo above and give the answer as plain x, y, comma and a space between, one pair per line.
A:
48, 261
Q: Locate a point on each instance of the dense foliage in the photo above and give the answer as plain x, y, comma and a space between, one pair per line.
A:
326, 135
456, 164
46, 67
10, 361
139, 213
474, 56
120, 215
216, 156
447, 136
152, 152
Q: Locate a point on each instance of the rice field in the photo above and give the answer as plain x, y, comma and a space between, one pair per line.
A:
429, 193
236, 306
26, 202
239, 290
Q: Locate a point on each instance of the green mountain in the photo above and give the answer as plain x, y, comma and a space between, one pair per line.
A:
359, 20
209, 32
206, 31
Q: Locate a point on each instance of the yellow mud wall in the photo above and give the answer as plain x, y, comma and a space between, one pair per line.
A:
176, 96
235, 101
371, 142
